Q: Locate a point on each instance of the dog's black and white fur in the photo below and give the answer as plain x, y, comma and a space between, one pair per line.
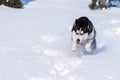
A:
84, 33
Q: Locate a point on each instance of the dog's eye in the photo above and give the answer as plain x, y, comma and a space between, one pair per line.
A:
77, 33
81, 33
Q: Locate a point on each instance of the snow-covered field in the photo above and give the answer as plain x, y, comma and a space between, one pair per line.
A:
35, 42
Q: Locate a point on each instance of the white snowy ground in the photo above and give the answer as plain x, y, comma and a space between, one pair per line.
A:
35, 42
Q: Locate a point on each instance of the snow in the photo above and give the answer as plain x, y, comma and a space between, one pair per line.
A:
35, 42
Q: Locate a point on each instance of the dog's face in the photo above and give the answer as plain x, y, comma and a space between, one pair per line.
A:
82, 28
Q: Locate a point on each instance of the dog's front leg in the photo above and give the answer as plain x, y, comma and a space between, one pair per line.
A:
88, 46
74, 46
74, 42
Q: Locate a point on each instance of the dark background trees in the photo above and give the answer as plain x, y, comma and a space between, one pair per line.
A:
95, 4
11, 3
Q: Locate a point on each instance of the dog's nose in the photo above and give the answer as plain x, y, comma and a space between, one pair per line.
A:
78, 40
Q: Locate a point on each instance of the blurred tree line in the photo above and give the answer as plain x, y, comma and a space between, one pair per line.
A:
11, 3
95, 4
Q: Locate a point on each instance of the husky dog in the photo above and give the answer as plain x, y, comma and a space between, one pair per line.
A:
84, 33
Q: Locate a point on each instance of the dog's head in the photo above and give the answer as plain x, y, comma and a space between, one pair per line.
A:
82, 28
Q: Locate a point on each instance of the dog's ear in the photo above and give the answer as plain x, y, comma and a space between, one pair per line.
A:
76, 21
74, 25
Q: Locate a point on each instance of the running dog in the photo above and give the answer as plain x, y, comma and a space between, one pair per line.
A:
83, 33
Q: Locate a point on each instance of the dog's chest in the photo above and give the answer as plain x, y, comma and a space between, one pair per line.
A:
83, 38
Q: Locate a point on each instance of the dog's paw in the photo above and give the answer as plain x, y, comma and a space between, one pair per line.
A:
88, 47
73, 49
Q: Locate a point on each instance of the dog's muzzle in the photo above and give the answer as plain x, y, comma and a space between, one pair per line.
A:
82, 39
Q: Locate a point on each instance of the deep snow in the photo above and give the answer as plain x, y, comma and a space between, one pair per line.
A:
35, 42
